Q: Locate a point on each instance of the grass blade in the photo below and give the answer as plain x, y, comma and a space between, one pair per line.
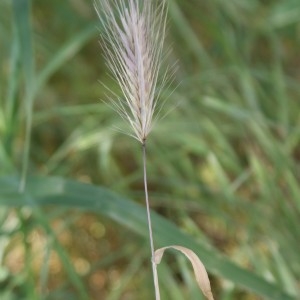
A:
22, 15
65, 54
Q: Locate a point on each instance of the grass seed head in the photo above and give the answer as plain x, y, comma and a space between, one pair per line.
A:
132, 37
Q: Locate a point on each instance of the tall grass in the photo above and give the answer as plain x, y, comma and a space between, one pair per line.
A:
229, 181
133, 45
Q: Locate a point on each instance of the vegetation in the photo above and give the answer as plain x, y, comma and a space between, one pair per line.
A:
223, 166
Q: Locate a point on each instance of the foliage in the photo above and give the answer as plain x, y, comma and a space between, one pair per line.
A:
223, 164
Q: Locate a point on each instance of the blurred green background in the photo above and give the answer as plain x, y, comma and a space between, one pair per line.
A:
223, 165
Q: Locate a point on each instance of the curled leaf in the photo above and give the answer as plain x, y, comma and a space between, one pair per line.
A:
199, 269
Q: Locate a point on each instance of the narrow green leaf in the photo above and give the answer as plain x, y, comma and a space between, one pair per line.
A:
192, 40
22, 14
65, 54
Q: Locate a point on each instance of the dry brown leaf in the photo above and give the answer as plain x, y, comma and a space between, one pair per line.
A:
199, 269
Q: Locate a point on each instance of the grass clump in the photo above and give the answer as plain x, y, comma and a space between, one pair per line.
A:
230, 153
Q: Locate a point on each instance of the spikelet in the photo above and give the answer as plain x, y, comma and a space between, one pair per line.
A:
132, 37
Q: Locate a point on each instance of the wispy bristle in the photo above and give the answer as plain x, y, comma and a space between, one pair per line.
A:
133, 35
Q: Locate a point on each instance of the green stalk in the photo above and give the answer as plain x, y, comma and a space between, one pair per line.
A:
154, 268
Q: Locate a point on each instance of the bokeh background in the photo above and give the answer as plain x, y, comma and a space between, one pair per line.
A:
223, 164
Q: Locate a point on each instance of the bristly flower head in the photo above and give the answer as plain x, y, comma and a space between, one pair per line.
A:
133, 36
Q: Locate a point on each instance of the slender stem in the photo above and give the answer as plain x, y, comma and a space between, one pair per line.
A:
154, 269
